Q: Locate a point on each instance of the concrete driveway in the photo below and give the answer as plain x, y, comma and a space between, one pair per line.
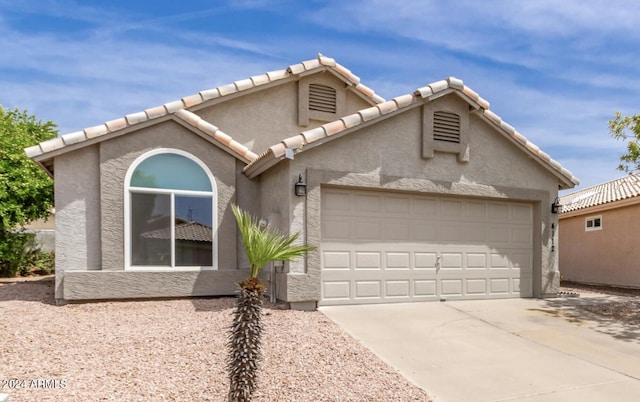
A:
502, 350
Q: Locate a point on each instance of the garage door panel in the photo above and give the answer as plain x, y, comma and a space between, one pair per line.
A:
425, 261
367, 260
425, 287
476, 261
367, 203
397, 231
398, 260
336, 260
451, 287
398, 288
476, 286
336, 290
367, 289
391, 247
364, 231
336, 229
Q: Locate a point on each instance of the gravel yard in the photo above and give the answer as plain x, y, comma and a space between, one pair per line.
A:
174, 350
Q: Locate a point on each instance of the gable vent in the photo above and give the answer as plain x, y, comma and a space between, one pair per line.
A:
322, 98
446, 127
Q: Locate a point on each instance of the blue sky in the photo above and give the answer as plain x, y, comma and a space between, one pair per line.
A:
555, 70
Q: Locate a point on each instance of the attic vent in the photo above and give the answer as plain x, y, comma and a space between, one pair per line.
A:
446, 127
322, 98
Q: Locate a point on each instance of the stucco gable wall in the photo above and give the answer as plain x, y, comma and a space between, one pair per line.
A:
260, 119
608, 256
117, 155
393, 148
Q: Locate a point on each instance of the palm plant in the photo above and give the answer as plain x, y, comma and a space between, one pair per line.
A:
262, 245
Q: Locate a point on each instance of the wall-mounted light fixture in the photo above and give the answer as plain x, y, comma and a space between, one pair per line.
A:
300, 187
556, 207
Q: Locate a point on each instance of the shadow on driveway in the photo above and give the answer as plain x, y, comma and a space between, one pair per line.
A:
616, 316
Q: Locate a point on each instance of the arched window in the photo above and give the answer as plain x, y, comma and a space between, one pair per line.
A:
170, 212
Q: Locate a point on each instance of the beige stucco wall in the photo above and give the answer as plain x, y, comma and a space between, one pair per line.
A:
264, 118
388, 156
77, 197
100, 188
610, 256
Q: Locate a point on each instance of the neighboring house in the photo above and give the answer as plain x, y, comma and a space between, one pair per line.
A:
426, 196
45, 231
599, 227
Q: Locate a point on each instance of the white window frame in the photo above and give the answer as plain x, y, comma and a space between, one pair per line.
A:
127, 213
592, 219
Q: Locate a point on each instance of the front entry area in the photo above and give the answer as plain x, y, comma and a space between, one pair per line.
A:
385, 247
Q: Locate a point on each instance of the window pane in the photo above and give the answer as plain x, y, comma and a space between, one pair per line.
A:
170, 171
589, 223
151, 229
194, 234
596, 222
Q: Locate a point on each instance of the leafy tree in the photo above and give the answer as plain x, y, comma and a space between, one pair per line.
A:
262, 245
26, 192
627, 128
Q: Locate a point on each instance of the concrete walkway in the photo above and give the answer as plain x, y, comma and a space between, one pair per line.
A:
502, 350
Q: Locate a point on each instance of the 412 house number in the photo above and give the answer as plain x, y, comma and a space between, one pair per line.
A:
39, 383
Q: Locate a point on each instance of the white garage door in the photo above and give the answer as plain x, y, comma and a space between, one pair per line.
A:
381, 247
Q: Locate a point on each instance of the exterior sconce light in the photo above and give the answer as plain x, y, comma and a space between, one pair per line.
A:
556, 207
300, 187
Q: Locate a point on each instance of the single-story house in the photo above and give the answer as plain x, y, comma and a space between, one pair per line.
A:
426, 196
599, 227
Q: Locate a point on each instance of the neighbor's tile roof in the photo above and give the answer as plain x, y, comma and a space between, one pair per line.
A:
189, 231
615, 190
40, 151
317, 135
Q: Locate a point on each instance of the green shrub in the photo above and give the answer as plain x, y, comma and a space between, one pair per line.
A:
17, 249
42, 263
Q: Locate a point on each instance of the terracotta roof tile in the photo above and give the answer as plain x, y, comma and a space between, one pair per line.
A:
311, 64
96, 131
174, 106
244, 84
347, 74
326, 61
277, 150
227, 89
73, 138
492, 116
156, 112
624, 188
135, 118
192, 100
116, 124
455, 83
32, 151
425, 92
260, 79
210, 94
352, 120
294, 142
277, 75
387, 107
404, 100
369, 113
314, 134
52, 144
439, 86
334, 127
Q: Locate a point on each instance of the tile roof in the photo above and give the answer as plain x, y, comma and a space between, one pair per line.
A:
40, 152
620, 189
188, 231
328, 131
